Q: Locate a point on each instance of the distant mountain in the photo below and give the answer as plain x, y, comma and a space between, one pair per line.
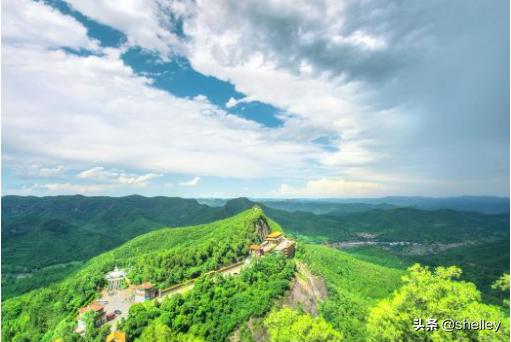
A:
323, 207
38, 232
212, 202
481, 204
66, 228
401, 224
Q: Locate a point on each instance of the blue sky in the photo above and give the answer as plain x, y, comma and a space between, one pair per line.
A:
262, 99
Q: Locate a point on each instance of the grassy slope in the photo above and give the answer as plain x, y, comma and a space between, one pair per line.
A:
354, 286
380, 257
344, 273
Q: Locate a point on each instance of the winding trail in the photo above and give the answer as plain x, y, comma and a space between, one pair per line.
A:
233, 269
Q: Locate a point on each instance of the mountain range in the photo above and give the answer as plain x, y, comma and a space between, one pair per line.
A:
323, 294
47, 238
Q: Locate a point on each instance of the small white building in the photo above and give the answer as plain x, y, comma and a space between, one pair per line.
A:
114, 279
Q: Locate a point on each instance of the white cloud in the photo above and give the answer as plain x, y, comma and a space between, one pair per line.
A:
26, 22
94, 181
323, 188
37, 171
361, 39
192, 182
99, 173
318, 105
138, 180
232, 102
51, 171
147, 24
65, 188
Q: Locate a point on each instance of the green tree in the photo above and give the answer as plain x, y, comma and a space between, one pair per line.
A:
502, 284
159, 332
65, 331
287, 325
156, 332
434, 295
93, 333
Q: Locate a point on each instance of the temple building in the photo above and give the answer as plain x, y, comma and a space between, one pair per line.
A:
256, 250
289, 249
115, 279
144, 292
274, 237
99, 316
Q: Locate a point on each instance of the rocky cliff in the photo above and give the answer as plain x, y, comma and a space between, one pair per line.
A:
307, 290
262, 227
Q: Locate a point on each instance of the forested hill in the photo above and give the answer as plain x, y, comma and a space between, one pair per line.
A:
45, 238
165, 257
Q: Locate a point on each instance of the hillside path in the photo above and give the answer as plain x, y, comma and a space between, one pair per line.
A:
123, 299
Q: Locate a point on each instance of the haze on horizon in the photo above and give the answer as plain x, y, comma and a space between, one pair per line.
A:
264, 99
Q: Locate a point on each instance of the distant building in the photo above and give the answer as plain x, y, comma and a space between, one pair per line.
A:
256, 250
114, 279
287, 247
116, 336
99, 316
144, 292
274, 237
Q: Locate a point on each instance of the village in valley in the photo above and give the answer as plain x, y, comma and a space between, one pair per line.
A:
120, 294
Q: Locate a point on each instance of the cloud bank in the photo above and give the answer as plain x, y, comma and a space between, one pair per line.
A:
376, 97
